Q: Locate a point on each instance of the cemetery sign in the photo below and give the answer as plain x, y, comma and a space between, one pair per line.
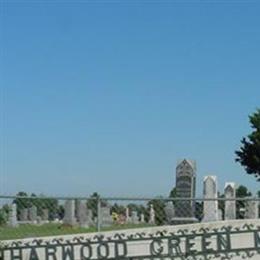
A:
223, 241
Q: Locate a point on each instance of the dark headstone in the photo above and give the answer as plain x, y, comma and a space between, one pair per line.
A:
185, 190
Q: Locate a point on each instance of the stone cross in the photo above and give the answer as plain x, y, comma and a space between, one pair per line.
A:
230, 205
210, 207
69, 216
152, 215
12, 217
252, 209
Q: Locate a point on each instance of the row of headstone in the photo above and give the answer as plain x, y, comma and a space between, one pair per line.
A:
135, 219
30, 214
79, 215
26, 215
211, 210
184, 209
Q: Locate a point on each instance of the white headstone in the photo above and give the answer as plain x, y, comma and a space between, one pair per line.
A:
45, 214
142, 220
106, 218
210, 207
230, 203
127, 215
69, 217
252, 209
12, 219
24, 214
220, 214
82, 214
134, 217
152, 215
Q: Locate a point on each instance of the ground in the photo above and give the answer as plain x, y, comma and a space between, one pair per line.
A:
27, 230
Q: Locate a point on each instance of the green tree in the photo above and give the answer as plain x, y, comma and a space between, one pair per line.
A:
2, 218
46, 203
249, 154
173, 193
92, 203
21, 201
4, 211
221, 203
242, 192
118, 209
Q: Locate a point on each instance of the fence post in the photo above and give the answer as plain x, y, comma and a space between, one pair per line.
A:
98, 214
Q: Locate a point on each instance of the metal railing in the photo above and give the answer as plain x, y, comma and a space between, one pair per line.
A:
34, 216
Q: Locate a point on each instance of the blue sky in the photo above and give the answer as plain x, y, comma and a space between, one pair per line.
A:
107, 96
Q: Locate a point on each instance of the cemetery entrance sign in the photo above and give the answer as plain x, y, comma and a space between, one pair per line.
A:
198, 242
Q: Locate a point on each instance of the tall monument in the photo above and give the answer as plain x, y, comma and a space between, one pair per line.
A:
185, 191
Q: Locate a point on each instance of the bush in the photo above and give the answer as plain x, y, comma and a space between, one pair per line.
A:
3, 217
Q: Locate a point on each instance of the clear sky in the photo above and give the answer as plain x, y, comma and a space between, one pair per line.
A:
107, 96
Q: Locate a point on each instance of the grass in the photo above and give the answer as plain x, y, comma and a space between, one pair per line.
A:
28, 230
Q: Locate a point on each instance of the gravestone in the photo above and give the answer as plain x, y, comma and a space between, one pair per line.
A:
106, 218
210, 207
127, 215
77, 209
24, 214
82, 214
12, 217
220, 214
33, 214
152, 215
185, 190
134, 218
69, 216
45, 214
230, 203
90, 221
252, 209
39, 220
142, 220
169, 212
